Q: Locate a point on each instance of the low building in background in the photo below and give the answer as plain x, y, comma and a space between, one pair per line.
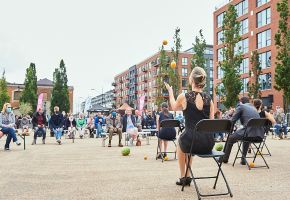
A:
44, 86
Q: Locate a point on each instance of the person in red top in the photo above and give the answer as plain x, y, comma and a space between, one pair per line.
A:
39, 121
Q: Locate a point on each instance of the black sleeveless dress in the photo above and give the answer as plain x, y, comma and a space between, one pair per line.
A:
202, 142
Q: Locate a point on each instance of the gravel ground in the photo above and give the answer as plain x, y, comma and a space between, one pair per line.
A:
86, 170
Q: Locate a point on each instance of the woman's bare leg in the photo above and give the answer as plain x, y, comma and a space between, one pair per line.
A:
165, 143
182, 161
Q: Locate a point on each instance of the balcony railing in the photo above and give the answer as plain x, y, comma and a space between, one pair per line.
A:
114, 84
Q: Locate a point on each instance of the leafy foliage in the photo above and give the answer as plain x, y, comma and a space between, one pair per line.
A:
231, 60
282, 41
25, 108
254, 85
4, 97
198, 59
29, 94
60, 95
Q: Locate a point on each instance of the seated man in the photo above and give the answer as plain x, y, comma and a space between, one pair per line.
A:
244, 112
114, 126
39, 122
129, 125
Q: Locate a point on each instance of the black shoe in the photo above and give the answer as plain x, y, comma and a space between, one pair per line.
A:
158, 156
7, 149
243, 161
184, 181
164, 155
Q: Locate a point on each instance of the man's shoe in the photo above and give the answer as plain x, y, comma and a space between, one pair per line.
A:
18, 143
243, 161
109, 145
6, 148
33, 142
43, 141
120, 145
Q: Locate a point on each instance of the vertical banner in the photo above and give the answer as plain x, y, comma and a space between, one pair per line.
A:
141, 103
39, 102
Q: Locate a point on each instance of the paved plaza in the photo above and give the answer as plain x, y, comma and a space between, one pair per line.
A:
86, 170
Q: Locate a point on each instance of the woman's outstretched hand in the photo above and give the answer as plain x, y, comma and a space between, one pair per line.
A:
169, 88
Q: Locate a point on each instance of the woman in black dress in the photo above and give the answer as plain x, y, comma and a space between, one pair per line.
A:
196, 105
164, 134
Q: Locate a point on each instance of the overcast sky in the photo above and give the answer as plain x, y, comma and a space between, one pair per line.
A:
97, 39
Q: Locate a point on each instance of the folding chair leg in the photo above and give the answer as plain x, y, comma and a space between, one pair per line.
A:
221, 171
175, 149
239, 150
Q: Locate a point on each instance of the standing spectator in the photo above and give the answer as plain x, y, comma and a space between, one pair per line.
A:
81, 125
280, 125
38, 123
164, 134
56, 123
114, 126
7, 125
99, 121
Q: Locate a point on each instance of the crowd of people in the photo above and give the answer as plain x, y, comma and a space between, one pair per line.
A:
189, 109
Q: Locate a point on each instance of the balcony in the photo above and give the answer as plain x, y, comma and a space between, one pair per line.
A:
121, 81
114, 84
127, 77
136, 92
114, 91
127, 85
144, 69
115, 98
145, 79
154, 63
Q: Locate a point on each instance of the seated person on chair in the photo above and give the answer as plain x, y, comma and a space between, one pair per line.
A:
24, 124
280, 125
263, 113
39, 122
114, 126
164, 134
56, 124
70, 126
196, 105
138, 120
81, 125
7, 124
149, 122
129, 124
91, 125
244, 112
99, 121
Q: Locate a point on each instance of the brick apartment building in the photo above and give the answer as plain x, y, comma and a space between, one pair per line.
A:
141, 79
259, 23
44, 86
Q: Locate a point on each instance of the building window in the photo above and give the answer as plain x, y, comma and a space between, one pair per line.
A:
17, 95
261, 2
242, 46
244, 26
184, 91
220, 56
220, 36
220, 19
220, 73
265, 81
184, 61
242, 8
264, 17
211, 68
184, 83
244, 67
245, 84
184, 71
265, 59
264, 39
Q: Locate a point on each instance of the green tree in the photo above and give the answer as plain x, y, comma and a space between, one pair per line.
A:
162, 75
254, 74
232, 57
25, 108
199, 46
282, 42
60, 93
173, 73
198, 58
29, 94
4, 97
